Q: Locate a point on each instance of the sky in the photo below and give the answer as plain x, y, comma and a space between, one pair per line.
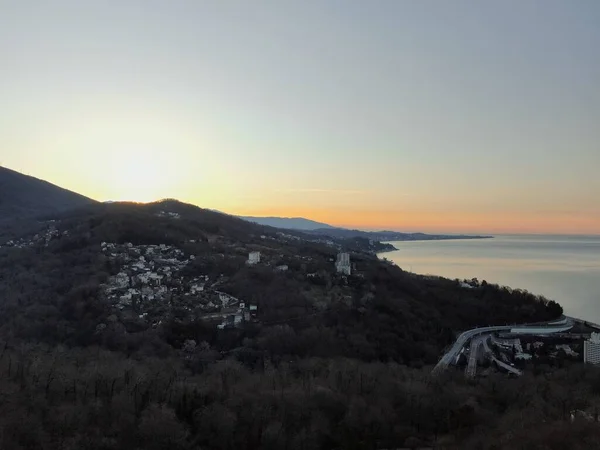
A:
428, 115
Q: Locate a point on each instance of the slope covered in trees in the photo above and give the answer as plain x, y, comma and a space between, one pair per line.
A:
331, 362
94, 399
25, 196
380, 313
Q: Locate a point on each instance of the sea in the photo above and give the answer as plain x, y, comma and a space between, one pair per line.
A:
561, 268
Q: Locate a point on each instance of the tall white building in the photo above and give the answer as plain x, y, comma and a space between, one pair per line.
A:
342, 265
591, 349
253, 258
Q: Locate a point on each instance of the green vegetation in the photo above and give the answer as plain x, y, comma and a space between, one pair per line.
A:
331, 362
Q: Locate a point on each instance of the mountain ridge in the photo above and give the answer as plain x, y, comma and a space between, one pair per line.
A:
294, 223
24, 196
323, 229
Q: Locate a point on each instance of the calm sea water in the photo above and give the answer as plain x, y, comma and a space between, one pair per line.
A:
562, 268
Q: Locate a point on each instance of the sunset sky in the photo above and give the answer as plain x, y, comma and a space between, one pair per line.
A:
424, 115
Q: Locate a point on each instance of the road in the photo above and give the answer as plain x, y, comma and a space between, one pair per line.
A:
554, 326
460, 342
476, 344
486, 349
481, 343
506, 366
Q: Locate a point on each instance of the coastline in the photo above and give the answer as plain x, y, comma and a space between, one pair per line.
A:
450, 238
382, 256
393, 249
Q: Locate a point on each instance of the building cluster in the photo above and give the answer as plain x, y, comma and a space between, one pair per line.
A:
244, 313
43, 238
148, 273
150, 282
316, 240
510, 350
172, 215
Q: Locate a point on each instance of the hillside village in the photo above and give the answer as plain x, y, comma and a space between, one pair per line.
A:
42, 238
151, 282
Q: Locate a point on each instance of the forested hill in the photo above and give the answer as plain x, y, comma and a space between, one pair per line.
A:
323, 361
25, 196
417, 315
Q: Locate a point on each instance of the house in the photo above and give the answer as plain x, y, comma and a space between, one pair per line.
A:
195, 288
231, 321
253, 258
253, 309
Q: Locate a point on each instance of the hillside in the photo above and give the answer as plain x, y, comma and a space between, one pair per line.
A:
22, 196
119, 326
90, 246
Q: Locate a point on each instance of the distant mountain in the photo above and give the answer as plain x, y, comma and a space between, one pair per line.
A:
23, 196
322, 229
291, 223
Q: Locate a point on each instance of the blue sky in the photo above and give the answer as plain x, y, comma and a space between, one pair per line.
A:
429, 115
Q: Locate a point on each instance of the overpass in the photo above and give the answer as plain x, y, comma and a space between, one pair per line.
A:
550, 329
584, 322
482, 342
476, 343
555, 326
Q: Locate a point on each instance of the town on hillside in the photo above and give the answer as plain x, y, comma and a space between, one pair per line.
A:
150, 282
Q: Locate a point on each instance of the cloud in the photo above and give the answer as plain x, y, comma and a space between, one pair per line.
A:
323, 191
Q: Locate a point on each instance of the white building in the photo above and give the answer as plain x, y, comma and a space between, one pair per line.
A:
342, 265
253, 258
591, 349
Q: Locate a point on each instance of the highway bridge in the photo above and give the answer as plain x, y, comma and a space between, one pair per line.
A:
563, 324
479, 347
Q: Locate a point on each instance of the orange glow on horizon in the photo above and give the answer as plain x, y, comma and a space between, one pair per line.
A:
459, 222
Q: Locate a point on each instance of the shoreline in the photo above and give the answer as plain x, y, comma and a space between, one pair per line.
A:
389, 261
457, 238
559, 268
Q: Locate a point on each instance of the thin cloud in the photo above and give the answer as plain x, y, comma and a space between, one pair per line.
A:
322, 191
